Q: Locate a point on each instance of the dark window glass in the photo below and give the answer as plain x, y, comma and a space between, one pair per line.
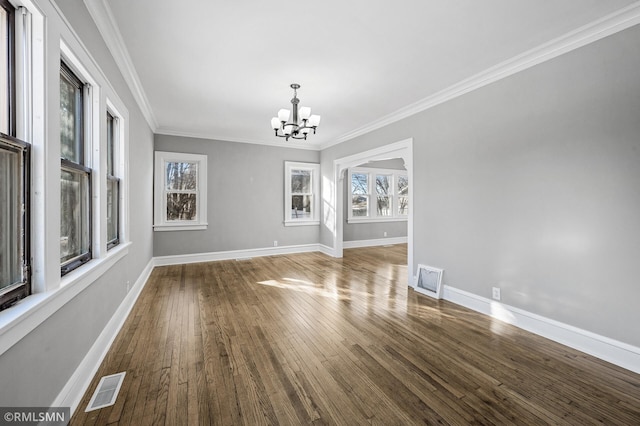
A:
71, 111
75, 178
7, 69
113, 186
14, 223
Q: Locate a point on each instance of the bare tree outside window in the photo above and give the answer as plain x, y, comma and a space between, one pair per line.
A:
75, 175
74, 229
383, 185
403, 195
301, 194
360, 194
378, 195
181, 186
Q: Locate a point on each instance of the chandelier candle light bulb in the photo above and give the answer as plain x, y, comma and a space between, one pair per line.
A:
301, 124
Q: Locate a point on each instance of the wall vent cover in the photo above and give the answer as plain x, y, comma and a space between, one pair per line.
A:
429, 281
106, 392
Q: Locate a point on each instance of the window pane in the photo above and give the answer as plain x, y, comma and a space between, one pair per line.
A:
359, 205
300, 181
382, 184
182, 176
10, 208
403, 185
113, 200
403, 205
70, 119
359, 183
384, 206
110, 143
74, 214
181, 206
4, 71
301, 206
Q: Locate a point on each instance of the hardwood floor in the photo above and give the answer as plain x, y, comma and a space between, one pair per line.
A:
307, 339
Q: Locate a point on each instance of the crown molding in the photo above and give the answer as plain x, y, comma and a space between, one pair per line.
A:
104, 20
582, 36
277, 143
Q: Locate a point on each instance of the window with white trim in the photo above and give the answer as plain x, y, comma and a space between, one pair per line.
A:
302, 189
75, 175
113, 182
378, 195
180, 191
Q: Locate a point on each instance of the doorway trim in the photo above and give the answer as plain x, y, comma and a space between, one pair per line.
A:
402, 149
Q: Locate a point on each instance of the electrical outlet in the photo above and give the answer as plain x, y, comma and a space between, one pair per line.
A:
128, 286
275, 243
496, 293
384, 234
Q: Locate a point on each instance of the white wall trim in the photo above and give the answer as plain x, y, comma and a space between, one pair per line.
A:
72, 393
589, 33
235, 254
104, 20
326, 250
375, 242
610, 350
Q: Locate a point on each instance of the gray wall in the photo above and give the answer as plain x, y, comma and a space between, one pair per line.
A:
245, 198
531, 184
376, 230
34, 370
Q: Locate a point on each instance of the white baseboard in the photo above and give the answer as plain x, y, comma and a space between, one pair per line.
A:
374, 242
78, 383
235, 254
610, 350
329, 251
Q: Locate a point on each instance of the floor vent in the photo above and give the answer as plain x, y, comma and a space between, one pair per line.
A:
429, 281
106, 392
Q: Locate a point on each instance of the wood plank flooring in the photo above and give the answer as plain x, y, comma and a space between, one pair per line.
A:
307, 339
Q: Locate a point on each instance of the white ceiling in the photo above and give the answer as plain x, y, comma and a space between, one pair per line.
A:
222, 69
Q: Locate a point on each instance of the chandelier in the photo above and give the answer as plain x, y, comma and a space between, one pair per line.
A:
301, 124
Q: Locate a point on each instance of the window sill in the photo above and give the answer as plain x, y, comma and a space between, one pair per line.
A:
19, 320
190, 227
301, 223
376, 219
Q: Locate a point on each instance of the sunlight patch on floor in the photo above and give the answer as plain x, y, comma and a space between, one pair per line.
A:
303, 287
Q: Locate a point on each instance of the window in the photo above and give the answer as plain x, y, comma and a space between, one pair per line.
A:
75, 176
359, 194
378, 195
403, 195
7, 70
113, 185
180, 191
14, 218
384, 193
301, 186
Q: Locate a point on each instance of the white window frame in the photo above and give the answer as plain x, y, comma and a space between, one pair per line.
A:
119, 169
91, 151
372, 194
160, 192
314, 219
